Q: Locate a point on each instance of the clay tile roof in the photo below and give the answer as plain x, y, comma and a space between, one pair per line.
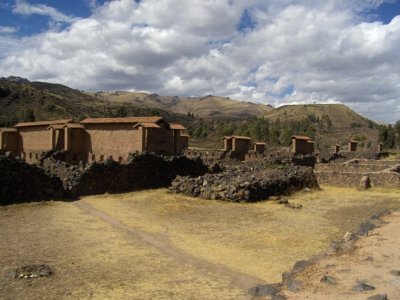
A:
176, 126
74, 125
43, 123
300, 137
58, 126
227, 138
153, 119
146, 125
311, 142
260, 143
239, 137
7, 129
351, 141
184, 135
69, 125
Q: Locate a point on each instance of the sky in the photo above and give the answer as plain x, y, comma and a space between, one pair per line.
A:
266, 51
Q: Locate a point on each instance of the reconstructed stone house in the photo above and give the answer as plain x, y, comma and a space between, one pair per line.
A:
259, 147
302, 144
352, 145
9, 139
95, 139
239, 145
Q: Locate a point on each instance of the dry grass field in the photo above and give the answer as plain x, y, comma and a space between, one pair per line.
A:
157, 245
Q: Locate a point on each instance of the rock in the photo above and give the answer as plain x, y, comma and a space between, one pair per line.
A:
257, 181
378, 297
366, 227
264, 290
328, 279
349, 236
294, 285
33, 271
365, 183
362, 287
301, 265
293, 206
395, 272
369, 259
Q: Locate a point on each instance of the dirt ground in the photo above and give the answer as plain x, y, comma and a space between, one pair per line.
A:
374, 261
157, 245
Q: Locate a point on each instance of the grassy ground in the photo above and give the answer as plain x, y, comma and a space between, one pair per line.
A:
157, 245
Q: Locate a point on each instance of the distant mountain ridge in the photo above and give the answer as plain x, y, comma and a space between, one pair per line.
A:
204, 107
21, 100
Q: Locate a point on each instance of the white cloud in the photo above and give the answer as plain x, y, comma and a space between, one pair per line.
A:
7, 29
298, 52
24, 8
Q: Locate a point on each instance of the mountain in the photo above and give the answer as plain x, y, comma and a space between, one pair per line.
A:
204, 107
21, 100
335, 123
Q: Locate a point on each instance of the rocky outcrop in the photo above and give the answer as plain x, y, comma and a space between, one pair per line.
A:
246, 182
21, 182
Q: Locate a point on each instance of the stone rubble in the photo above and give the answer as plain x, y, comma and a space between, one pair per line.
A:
246, 182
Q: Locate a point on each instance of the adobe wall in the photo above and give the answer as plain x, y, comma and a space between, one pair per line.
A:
160, 140
183, 143
33, 141
76, 151
9, 141
241, 145
301, 147
109, 140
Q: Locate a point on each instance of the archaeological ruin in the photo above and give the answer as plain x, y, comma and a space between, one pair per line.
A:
94, 139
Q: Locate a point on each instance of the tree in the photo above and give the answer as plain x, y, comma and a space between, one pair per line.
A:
391, 137
121, 112
387, 136
29, 115
397, 129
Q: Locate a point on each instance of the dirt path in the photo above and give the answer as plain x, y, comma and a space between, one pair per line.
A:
161, 243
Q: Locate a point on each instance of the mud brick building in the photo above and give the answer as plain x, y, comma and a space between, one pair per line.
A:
94, 139
9, 139
352, 146
238, 145
302, 144
259, 147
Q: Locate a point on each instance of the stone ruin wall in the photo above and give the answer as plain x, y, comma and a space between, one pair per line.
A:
22, 182
349, 174
348, 179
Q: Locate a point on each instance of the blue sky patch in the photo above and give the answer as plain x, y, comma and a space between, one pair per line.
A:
246, 22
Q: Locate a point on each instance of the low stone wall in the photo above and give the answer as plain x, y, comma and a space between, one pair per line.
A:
352, 179
204, 154
246, 183
327, 155
360, 166
21, 182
